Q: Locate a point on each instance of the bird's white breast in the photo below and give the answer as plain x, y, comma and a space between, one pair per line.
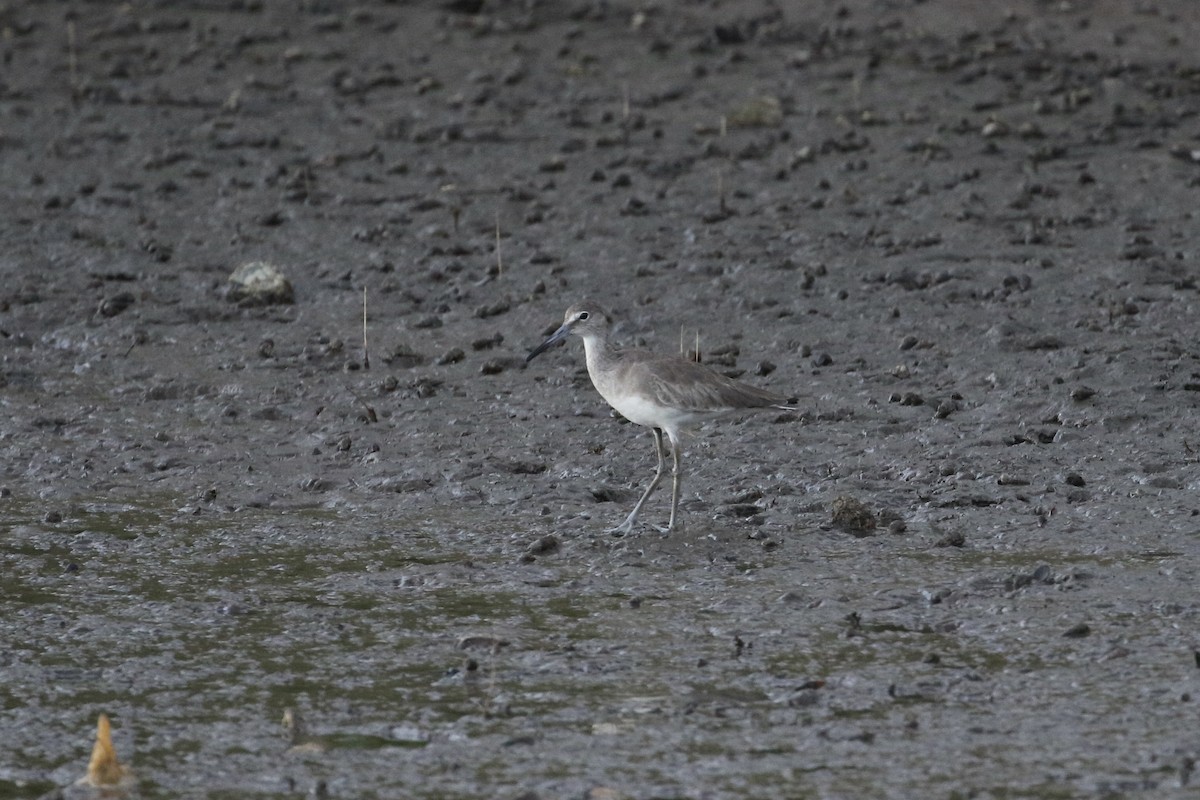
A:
621, 390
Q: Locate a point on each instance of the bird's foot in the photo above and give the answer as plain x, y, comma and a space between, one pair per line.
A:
624, 529
675, 527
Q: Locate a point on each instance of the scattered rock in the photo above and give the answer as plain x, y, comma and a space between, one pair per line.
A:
543, 546
1042, 574
493, 309
427, 322
451, 356
1077, 631
741, 510
763, 111
952, 539
518, 467
1006, 479
482, 642
1081, 393
408, 733
115, 304
947, 407
852, 514
487, 343
404, 357
907, 399
258, 283
994, 128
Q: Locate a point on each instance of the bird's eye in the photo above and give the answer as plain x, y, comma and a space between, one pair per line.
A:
582, 316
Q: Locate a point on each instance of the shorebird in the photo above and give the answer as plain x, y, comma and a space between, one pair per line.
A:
662, 393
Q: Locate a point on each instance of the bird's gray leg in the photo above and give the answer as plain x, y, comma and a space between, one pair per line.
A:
675, 524
627, 526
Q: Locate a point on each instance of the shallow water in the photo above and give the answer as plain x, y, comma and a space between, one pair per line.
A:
643, 663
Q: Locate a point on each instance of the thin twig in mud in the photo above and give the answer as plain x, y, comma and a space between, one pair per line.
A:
451, 191
499, 257
684, 354
724, 209
491, 691
625, 114
366, 350
72, 59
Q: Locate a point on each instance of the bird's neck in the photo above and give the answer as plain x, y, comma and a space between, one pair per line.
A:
600, 354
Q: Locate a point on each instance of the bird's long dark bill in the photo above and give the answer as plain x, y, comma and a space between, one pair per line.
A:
554, 339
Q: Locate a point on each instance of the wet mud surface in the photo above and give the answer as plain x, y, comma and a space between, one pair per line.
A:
963, 233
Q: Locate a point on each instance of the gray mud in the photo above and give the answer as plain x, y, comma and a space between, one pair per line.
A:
963, 232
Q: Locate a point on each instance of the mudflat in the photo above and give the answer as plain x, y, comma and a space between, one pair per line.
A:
963, 233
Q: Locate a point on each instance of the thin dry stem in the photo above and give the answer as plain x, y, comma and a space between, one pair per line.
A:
499, 256
73, 58
625, 114
366, 350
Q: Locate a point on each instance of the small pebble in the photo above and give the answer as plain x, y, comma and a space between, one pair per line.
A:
487, 343
1081, 393
952, 539
258, 283
111, 306
481, 641
1077, 631
544, 545
1011, 480
852, 514
946, 407
426, 323
493, 309
451, 356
